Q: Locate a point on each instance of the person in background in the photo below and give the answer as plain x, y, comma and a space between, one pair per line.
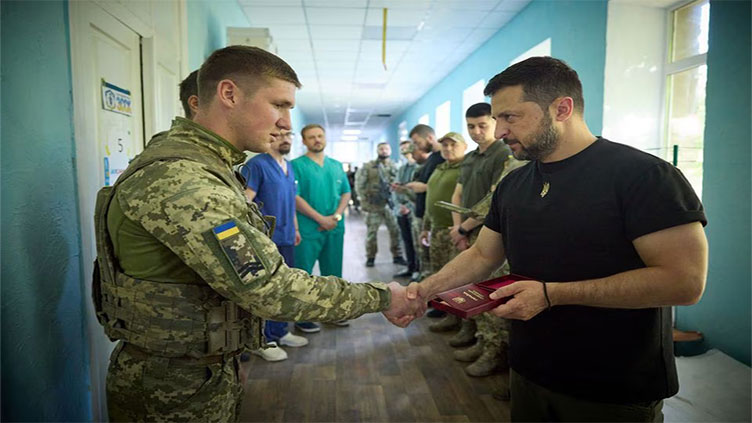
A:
480, 171
323, 195
437, 222
270, 182
404, 209
189, 94
373, 183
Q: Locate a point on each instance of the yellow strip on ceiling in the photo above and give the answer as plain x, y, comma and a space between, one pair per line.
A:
383, 41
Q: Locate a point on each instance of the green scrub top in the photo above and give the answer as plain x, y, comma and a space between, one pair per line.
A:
321, 187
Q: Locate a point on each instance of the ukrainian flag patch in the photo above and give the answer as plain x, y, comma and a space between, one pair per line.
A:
226, 230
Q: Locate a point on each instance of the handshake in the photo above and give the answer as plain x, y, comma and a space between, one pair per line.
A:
408, 303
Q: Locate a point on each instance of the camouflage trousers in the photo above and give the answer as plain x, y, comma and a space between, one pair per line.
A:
143, 387
421, 252
493, 330
442, 249
373, 221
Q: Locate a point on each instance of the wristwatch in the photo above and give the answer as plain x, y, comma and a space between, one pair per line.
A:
462, 231
338, 217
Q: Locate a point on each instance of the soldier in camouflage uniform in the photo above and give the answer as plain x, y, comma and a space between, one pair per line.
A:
481, 171
438, 221
185, 268
372, 183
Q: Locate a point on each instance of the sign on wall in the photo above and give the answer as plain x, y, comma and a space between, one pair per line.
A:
116, 99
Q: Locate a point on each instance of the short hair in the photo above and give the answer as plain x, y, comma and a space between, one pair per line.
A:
478, 110
381, 143
245, 66
543, 79
309, 127
405, 142
422, 130
188, 87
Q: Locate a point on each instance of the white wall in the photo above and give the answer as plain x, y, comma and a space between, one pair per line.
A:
633, 88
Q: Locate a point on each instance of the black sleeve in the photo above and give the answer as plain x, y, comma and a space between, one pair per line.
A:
659, 199
493, 218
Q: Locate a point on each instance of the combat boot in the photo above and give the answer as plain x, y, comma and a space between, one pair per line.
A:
447, 324
487, 364
470, 354
466, 335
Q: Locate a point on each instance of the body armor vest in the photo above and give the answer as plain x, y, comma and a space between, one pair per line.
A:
199, 322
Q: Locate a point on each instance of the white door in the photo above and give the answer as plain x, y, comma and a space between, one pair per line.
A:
108, 119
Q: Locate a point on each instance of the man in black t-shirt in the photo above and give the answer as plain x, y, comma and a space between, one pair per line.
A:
424, 138
610, 238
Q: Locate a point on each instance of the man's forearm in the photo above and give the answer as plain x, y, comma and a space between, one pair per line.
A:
469, 224
640, 288
302, 206
343, 200
468, 267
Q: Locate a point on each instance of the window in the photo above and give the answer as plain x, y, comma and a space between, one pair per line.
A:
443, 115
471, 95
402, 133
686, 77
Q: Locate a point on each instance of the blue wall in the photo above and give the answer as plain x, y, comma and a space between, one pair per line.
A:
45, 364
723, 314
578, 35
207, 27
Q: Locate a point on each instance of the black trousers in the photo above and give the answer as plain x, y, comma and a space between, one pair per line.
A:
407, 236
534, 403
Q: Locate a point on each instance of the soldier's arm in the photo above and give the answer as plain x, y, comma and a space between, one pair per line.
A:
360, 180
206, 225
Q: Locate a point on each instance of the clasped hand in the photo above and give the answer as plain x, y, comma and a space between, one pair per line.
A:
403, 309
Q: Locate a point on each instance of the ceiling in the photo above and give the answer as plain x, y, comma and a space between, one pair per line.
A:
335, 47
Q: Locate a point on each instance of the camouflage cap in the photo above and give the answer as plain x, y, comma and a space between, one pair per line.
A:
454, 136
410, 147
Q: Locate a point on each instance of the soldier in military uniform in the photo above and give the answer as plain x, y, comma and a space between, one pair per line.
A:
372, 183
185, 268
480, 172
437, 221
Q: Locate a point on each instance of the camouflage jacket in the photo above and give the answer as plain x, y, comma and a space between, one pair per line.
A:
189, 203
368, 182
482, 207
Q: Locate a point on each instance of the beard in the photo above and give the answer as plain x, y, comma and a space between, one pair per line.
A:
383, 156
546, 140
284, 148
316, 149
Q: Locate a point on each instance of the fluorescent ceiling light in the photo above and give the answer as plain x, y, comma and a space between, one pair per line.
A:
349, 137
351, 131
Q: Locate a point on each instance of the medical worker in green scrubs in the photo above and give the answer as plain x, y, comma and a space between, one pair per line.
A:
323, 194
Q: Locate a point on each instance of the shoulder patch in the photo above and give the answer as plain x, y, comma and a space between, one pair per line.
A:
237, 249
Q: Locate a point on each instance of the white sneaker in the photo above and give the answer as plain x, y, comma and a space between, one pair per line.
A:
273, 353
291, 340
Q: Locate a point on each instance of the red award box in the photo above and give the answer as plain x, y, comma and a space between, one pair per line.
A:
469, 300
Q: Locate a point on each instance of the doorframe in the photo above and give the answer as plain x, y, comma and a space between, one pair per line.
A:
83, 110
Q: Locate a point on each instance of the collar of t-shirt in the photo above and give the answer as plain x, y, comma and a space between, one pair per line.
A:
558, 166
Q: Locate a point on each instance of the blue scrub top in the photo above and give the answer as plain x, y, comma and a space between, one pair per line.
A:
275, 193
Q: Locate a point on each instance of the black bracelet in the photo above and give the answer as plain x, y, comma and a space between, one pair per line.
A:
545, 294
462, 231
